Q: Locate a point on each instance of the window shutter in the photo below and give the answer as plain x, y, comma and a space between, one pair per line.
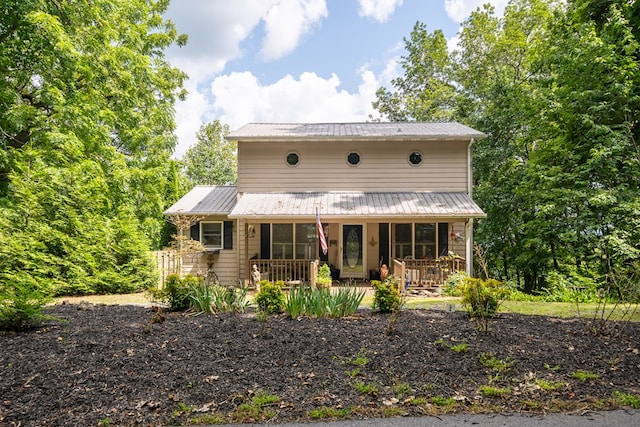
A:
195, 232
265, 241
443, 238
228, 235
383, 237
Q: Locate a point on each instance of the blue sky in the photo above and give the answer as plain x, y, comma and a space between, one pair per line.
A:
295, 60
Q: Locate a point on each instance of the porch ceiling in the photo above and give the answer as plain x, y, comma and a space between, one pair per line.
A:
356, 204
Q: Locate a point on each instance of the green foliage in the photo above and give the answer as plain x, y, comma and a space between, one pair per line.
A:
212, 160
572, 287
21, 302
554, 85
426, 92
443, 401
176, 292
454, 283
490, 391
324, 279
481, 298
325, 412
497, 365
271, 298
218, 299
323, 302
627, 399
386, 297
86, 134
369, 388
256, 408
582, 375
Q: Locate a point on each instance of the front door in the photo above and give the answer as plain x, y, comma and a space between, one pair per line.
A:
352, 251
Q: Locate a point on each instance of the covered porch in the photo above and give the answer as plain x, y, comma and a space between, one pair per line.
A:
423, 237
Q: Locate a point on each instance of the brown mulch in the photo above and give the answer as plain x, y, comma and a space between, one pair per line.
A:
111, 365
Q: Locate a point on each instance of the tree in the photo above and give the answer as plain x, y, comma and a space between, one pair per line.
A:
426, 91
589, 164
87, 132
213, 159
555, 87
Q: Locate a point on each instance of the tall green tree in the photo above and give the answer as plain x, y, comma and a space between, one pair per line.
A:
587, 168
555, 86
86, 129
497, 78
426, 91
213, 159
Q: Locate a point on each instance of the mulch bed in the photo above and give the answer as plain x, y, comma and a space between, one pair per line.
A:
111, 365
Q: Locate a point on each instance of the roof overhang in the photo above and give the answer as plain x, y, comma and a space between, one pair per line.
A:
206, 200
347, 205
369, 131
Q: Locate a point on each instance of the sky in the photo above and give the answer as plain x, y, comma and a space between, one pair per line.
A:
290, 61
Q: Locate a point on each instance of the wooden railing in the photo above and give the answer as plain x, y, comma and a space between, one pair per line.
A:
288, 270
431, 272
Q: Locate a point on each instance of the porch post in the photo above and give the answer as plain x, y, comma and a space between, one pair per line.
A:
468, 233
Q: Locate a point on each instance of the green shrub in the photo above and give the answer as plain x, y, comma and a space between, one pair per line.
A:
322, 302
386, 297
570, 287
229, 299
176, 291
454, 283
270, 299
481, 298
21, 302
324, 279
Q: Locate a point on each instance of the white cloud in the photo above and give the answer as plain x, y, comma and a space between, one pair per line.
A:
216, 29
240, 99
287, 22
380, 10
452, 43
459, 10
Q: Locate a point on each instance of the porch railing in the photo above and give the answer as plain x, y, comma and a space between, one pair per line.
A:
431, 272
287, 270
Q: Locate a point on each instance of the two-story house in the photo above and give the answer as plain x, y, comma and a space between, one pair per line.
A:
382, 191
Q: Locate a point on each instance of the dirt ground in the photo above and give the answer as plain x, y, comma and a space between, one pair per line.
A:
104, 365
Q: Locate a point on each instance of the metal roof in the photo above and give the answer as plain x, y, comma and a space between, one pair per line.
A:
361, 204
206, 200
347, 131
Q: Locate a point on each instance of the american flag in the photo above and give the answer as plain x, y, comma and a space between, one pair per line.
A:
323, 239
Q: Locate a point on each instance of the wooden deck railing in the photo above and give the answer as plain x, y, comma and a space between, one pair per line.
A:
288, 270
431, 272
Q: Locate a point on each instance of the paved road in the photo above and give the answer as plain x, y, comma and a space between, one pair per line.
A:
593, 419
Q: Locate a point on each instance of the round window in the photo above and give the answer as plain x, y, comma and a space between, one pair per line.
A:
415, 158
293, 159
353, 158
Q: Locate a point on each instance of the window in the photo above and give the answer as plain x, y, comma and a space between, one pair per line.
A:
211, 234
291, 241
420, 240
282, 241
403, 240
425, 246
415, 158
306, 241
353, 158
293, 158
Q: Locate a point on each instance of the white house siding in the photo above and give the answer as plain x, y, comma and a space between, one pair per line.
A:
323, 166
225, 263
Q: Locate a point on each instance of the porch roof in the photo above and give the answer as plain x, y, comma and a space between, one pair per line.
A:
361, 204
206, 200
